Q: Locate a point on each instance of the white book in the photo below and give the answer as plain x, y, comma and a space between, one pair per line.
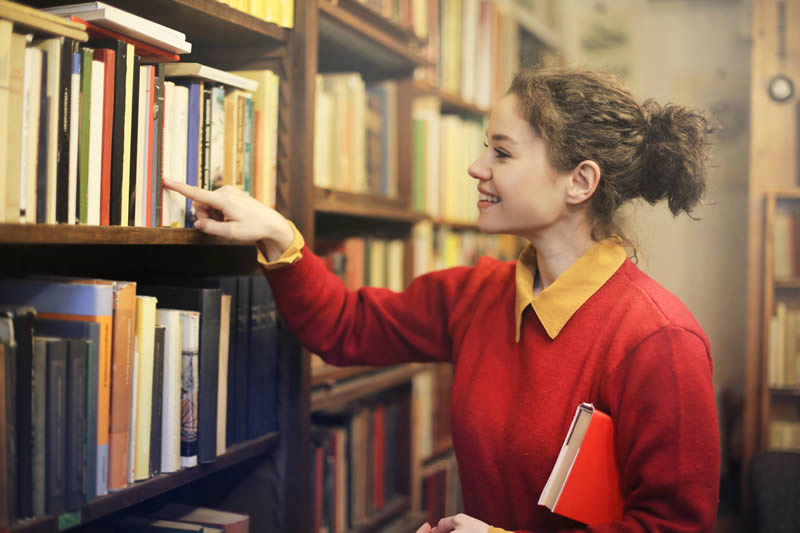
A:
190, 367
31, 107
179, 154
95, 143
204, 72
143, 146
171, 394
127, 24
167, 147
217, 163
126, 143
74, 138
52, 47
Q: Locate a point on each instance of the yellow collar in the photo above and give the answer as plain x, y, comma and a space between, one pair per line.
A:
556, 304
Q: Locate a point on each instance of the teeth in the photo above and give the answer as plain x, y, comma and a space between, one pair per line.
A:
490, 198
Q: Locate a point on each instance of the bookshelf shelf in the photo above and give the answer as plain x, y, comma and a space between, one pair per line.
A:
440, 450
104, 235
206, 23
106, 505
787, 283
363, 205
329, 375
785, 392
408, 523
455, 225
451, 103
345, 393
348, 42
390, 511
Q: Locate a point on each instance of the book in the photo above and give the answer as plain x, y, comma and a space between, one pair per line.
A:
4, 485
126, 23
145, 342
190, 353
77, 375
157, 407
30, 19
170, 319
224, 520
204, 72
147, 52
55, 425
584, 484
135, 524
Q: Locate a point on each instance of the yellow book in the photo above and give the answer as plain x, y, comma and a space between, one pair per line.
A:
287, 13
126, 153
5, 61
145, 345
273, 11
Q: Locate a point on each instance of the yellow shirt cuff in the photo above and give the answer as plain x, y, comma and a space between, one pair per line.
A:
291, 255
497, 530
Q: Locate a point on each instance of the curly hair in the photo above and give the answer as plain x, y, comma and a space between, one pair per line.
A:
644, 151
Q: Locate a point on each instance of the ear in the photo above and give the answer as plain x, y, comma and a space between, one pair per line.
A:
583, 182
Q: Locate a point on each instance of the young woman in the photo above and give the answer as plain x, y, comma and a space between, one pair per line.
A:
572, 320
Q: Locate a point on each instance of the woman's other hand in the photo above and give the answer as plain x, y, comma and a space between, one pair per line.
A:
459, 523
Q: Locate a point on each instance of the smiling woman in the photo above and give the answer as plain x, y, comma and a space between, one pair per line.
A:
573, 320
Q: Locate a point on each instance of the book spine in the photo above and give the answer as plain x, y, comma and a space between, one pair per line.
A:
43, 138
55, 468
76, 424
190, 353
240, 359
39, 423
4, 485
209, 375
158, 146
263, 357
64, 124
119, 422
158, 387
12, 402
135, 144
23, 333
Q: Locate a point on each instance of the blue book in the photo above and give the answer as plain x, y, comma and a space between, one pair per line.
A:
74, 329
193, 152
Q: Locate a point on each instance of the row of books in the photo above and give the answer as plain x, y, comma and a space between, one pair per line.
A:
783, 367
167, 376
355, 134
785, 263
412, 15
431, 398
280, 12
784, 435
357, 461
441, 489
365, 261
474, 45
93, 127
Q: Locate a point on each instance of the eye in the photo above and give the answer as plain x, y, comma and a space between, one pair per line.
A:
501, 154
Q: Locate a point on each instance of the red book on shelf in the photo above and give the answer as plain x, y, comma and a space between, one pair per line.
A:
108, 58
147, 52
584, 484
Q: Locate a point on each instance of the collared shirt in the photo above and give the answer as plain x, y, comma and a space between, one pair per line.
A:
556, 304
291, 255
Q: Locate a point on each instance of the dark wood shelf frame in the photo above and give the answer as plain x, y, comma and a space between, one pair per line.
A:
139, 492
440, 449
457, 226
363, 206
342, 394
349, 43
105, 235
786, 392
396, 507
330, 375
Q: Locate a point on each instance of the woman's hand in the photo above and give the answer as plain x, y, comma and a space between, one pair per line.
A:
459, 523
233, 214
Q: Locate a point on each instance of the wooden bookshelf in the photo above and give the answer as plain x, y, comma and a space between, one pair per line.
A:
343, 394
440, 449
348, 42
105, 235
330, 375
396, 507
375, 19
785, 392
160, 484
451, 103
363, 206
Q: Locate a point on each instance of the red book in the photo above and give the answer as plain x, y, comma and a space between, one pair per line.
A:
584, 484
149, 170
378, 451
107, 57
147, 52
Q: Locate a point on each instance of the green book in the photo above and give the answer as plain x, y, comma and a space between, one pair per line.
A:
83, 144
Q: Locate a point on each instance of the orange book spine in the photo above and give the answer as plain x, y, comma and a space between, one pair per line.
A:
120, 408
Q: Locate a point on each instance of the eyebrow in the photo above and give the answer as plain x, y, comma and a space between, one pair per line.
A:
501, 137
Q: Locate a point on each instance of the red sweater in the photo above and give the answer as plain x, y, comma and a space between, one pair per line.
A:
632, 349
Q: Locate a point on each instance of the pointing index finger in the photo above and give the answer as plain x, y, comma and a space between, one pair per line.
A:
194, 193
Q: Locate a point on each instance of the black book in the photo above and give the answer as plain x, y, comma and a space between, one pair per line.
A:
68, 47
4, 488
90, 331
158, 145
239, 362
207, 303
10, 403
77, 376
44, 147
56, 426
262, 371
22, 318
137, 62
156, 417
121, 100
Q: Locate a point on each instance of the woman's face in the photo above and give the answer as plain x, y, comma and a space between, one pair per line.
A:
521, 193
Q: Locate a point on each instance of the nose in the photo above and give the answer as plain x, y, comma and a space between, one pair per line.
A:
479, 169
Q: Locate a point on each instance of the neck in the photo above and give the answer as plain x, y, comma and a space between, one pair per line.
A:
556, 253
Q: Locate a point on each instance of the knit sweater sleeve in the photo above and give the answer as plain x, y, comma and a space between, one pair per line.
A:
662, 402
370, 326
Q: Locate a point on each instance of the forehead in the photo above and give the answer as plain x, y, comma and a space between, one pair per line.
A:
506, 120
